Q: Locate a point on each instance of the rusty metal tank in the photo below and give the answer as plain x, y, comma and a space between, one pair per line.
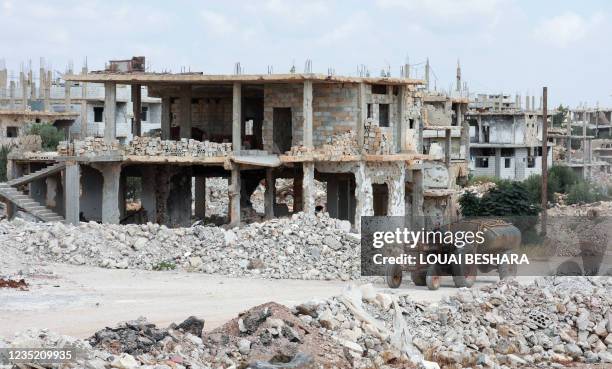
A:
499, 235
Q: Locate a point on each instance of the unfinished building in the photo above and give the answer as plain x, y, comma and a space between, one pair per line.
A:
73, 107
506, 140
366, 138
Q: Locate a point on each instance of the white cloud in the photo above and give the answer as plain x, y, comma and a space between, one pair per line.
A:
566, 29
296, 11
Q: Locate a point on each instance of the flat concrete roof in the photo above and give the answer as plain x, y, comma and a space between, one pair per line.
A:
36, 113
199, 78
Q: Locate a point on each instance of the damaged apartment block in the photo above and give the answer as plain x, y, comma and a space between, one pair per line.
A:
382, 146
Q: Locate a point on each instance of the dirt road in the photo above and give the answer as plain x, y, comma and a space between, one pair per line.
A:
79, 300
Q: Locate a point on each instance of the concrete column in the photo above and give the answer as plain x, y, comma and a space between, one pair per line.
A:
47, 88
12, 95
307, 111
165, 118
237, 119
110, 193
308, 186
72, 193
418, 221
24, 91
13, 170
148, 196
200, 197
179, 199
67, 95
402, 126
270, 194
84, 105
110, 104
498, 162
185, 112
364, 205
447, 146
480, 133
396, 206
136, 110
363, 115
234, 193
459, 115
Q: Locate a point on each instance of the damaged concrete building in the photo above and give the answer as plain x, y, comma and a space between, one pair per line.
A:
505, 139
74, 107
374, 142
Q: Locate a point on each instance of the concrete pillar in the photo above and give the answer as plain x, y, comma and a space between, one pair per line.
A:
13, 170
72, 192
234, 193
12, 95
67, 95
200, 197
110, 193
165, 118
83, 114
533, 103
527, 102
47, 88
148, 197
237, 118
136, 110
402, 126
459, 113
308, 193
418, 221
307, 111
110, 104
185, 112
498, 162
364, 205
363, 115
447, 146
24, 91
396, 206
270, 194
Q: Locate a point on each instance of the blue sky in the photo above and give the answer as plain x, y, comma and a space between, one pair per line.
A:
504, 45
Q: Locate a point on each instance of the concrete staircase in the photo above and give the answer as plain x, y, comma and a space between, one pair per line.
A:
44, 172
25, 202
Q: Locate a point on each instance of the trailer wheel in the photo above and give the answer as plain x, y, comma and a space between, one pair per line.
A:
432, 278
393, 275
506, 270
418, 278
464, 275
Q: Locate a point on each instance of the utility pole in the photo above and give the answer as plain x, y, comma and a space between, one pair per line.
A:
544, 158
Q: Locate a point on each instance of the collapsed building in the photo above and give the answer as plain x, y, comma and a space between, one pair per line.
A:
374, 141
505, 139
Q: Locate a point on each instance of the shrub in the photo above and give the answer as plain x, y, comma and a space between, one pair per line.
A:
482, 179
164, 265
533, 184
584, 192
49, 135
470, 204
565, 177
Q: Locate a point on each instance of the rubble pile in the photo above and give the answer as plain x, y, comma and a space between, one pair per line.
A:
284, 194
336, 146
300, 247
155, 146
553, 322
479, 189
603, 208
376, 141
88, 146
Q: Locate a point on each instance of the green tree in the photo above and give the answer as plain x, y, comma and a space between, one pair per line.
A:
49, 135
559, 117
4, 151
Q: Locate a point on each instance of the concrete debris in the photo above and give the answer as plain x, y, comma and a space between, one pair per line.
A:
602, 208
19, 284
300, 247
336, 146
494, 327
284, 195
147, 146
154, 146
376, 140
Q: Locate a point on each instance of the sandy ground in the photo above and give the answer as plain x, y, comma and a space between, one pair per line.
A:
79, 300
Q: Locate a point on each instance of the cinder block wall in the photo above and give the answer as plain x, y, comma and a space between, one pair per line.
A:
335, 110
